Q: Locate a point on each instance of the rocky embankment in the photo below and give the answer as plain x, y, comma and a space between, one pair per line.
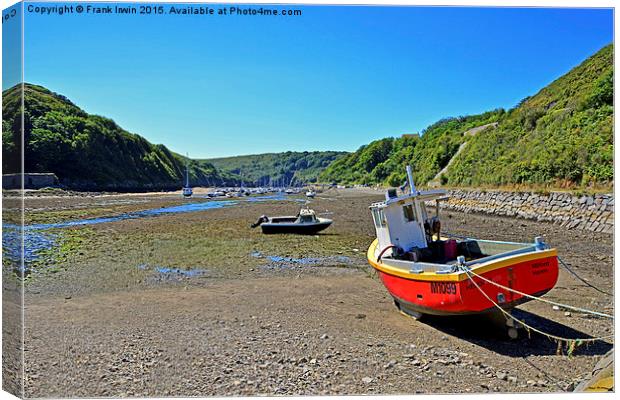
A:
587, 212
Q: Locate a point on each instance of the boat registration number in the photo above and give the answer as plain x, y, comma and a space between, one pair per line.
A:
443, 287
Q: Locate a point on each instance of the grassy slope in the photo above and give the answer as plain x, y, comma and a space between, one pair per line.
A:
261, 168
561, 137
383, 161
87, 151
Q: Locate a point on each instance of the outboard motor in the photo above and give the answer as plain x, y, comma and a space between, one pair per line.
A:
261, 219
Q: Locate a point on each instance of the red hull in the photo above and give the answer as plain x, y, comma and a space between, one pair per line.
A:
461, 296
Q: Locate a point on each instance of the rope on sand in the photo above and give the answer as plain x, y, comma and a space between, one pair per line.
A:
571, 344
566, 267
542, 299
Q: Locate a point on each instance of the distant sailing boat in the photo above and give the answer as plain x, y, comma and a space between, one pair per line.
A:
187, 190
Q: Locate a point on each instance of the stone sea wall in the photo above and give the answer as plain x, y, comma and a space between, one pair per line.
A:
588, 212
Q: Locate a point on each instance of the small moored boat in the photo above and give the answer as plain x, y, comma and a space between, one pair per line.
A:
304, 223
187, 189
429, 274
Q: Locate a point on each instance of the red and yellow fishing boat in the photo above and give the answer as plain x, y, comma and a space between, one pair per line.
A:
427, 273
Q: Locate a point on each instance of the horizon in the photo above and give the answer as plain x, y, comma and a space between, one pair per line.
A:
341, 77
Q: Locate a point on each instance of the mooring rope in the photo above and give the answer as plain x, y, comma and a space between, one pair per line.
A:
571, 342
581, 279
542, 299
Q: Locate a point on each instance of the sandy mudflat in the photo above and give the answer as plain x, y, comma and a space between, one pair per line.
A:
197, 303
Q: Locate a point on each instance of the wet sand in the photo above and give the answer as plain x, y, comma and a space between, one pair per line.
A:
198, 303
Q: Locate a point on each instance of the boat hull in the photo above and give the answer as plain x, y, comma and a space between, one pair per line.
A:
300, 229
455, 294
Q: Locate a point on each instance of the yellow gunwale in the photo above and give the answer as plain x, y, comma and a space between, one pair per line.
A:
456, 276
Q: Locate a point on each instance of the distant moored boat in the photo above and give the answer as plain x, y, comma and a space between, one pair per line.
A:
304, 223
187, 190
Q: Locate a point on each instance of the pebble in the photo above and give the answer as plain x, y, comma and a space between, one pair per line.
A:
502, 376
367, 379
390, 364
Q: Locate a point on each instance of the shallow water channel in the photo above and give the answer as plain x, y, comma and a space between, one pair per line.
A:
37, 238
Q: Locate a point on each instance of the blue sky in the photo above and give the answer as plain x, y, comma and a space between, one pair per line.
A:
332, 79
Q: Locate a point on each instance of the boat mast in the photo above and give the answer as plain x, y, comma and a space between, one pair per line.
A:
410, 178
187, 171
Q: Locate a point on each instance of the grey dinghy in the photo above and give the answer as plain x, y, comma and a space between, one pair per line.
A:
304, 223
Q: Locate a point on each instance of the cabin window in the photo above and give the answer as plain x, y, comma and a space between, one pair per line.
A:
408, 212
307, 218
423, 210
379, 216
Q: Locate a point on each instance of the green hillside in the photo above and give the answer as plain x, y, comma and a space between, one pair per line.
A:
88, 151
561, 137
278, 168
383, 161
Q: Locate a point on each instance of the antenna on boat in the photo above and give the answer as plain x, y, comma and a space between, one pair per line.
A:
410, 178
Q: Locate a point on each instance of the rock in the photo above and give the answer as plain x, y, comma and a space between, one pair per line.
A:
567, 314
390, 364
360, 316
324, 336
367, 379
512, 379
531, 382
502, 376
556, 308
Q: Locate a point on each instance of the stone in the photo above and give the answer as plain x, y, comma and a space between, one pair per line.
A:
367, 379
